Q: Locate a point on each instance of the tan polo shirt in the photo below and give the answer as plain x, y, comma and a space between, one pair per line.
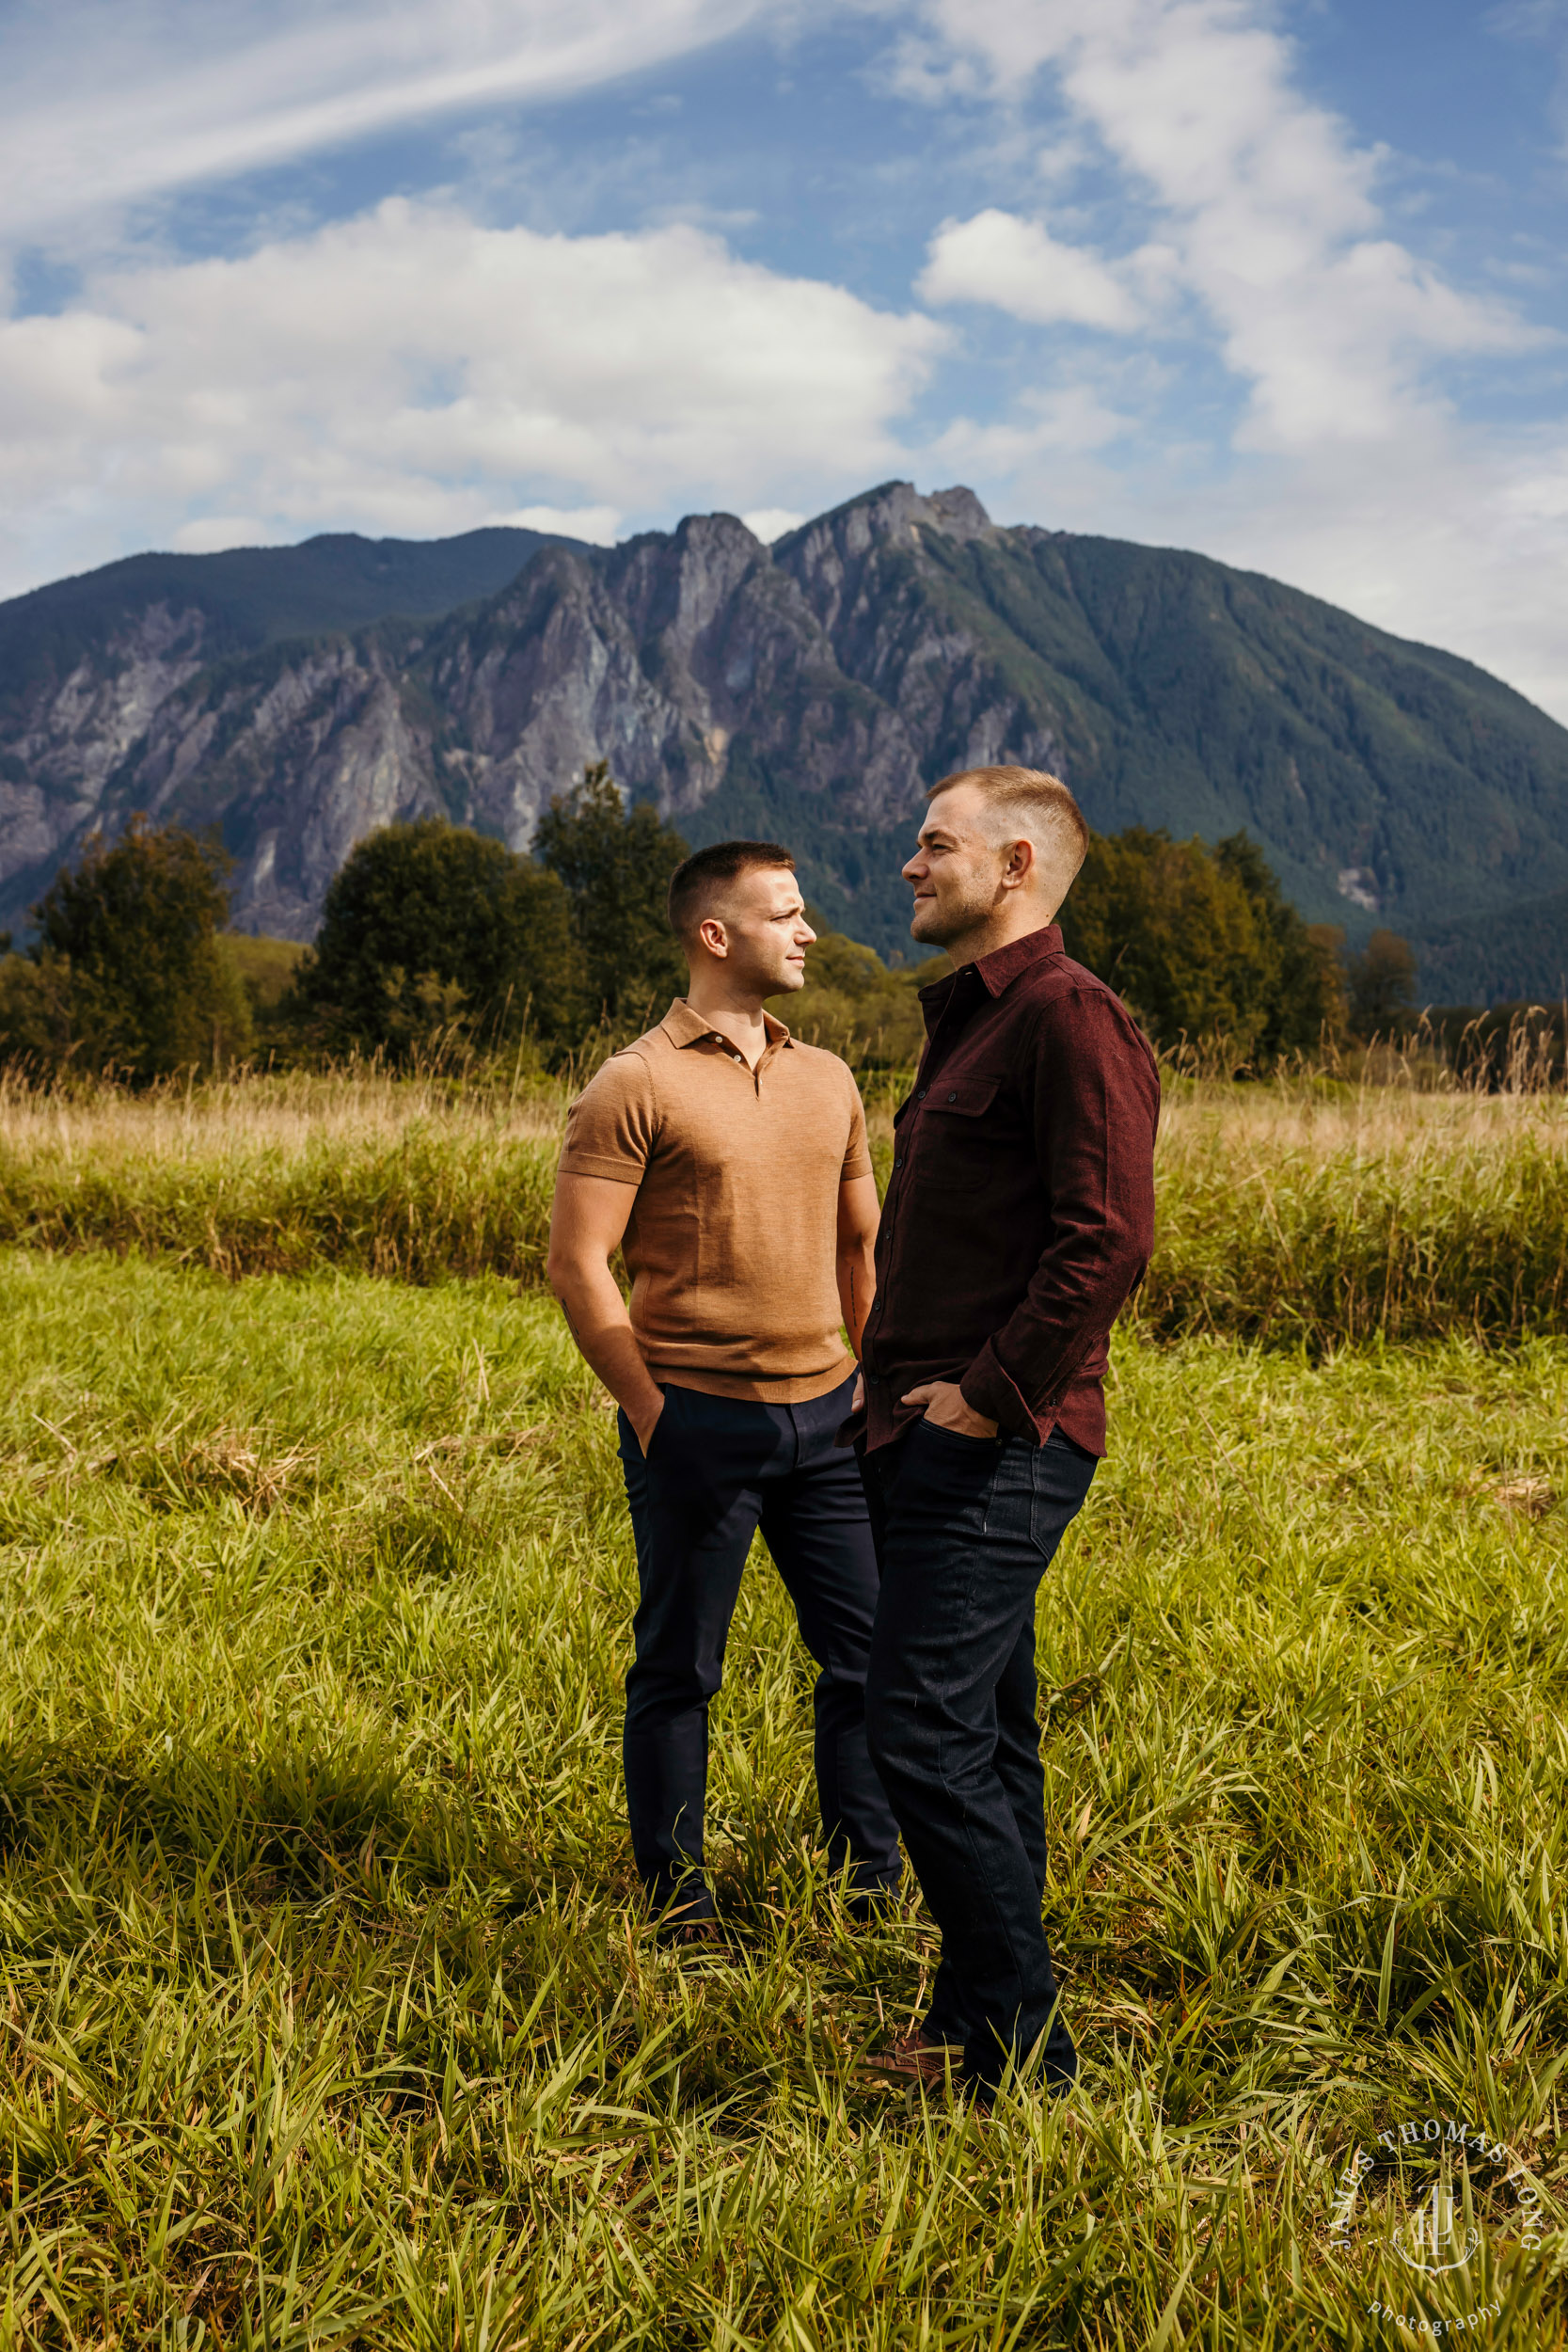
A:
732, 1243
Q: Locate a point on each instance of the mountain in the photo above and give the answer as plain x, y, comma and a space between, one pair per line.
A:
808, 691
85, 663
1518, 957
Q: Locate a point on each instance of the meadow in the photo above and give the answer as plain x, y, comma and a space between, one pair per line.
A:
331, 2016
1311, 1210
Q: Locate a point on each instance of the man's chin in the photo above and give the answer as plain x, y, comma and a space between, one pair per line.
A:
926, 926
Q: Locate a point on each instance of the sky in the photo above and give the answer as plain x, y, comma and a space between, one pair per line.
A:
1280, 282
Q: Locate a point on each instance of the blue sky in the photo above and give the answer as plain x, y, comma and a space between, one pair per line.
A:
1284, 283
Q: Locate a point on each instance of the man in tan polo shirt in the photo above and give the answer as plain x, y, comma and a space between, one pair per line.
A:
730, 1164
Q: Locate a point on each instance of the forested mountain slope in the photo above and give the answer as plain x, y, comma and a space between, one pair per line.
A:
807, 691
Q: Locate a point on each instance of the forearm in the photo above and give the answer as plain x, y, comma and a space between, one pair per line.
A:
1024, 1368
857, 1288
597, 1319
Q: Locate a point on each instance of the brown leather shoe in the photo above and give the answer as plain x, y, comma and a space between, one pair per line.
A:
913, 2059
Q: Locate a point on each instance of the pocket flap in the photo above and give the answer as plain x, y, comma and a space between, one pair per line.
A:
965, 1098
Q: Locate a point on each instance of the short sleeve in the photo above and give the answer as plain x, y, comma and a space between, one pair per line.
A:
611, 1126
857, 1153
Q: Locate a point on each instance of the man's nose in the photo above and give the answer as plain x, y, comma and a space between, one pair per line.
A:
915, 870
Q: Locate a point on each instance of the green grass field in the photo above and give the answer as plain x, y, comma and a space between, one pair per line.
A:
330, 2017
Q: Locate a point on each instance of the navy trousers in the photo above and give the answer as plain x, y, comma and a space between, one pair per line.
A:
964, 1530
719, 1468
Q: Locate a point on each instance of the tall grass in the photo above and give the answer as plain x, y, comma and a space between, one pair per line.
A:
1327, 1214
1313, 1211
415, 1178
330, 2019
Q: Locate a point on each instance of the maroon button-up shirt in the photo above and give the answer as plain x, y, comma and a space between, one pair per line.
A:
1020, 1213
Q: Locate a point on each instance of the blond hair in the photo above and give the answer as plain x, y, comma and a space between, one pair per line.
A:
1039, 805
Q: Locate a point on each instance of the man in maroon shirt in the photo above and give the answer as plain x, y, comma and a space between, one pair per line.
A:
1018, 1218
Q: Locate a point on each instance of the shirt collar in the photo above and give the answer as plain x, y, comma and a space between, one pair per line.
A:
999, 970
683, 1027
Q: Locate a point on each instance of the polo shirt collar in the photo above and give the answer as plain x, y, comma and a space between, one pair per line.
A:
683, 1027
999, 970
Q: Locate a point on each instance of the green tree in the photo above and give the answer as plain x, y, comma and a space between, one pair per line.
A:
1176, 935
129, 969
1379, 983
616, 863
1304, 1002
34, 1010
1203, 944
430, 929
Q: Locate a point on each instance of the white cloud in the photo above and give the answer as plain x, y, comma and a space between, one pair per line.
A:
598, 525
1070, 421
1267, 210
1350, 468
108, 100
412, 372
768, 523
208, 534
1019, 267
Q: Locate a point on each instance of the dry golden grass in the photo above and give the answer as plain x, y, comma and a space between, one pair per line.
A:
1268, 1125
286, 1111
1308, 1210
413, 1178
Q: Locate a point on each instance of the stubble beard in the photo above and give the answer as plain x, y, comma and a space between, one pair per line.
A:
781, 981
936, 923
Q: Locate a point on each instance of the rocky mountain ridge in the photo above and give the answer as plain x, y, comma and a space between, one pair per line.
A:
810, 690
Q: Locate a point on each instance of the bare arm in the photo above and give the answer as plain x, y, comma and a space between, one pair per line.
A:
859, 1216
586, 1225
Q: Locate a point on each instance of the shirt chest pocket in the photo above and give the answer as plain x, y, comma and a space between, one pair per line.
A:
956, 1143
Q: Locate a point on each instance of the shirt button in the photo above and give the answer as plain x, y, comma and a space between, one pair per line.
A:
953, 1098
921, 1096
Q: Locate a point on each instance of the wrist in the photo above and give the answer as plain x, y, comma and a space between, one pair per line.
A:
991, 1399
980, 1424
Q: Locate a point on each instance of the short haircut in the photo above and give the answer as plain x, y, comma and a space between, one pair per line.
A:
1039, 805
699, 879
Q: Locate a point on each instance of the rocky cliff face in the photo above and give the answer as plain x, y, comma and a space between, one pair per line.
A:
662, 656
657, 656
68, 737
868, 573
807, 692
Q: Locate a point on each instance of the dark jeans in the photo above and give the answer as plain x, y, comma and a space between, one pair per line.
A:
719, 1468
964, 1529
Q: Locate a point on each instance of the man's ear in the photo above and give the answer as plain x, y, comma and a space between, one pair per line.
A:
1020, 867
711, 932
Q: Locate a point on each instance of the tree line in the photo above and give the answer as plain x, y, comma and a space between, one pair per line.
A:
433, 936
